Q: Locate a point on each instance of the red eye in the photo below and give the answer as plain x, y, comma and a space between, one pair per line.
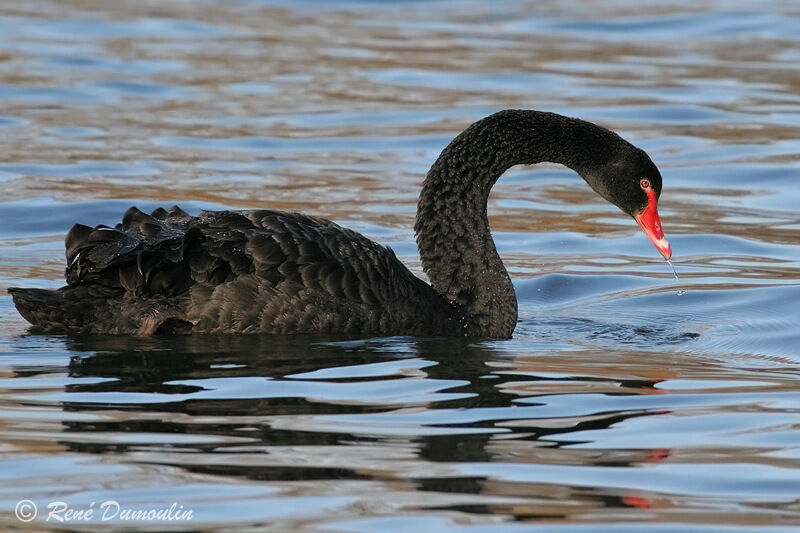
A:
644, 183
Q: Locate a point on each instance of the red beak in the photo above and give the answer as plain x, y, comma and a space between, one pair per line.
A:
651, 225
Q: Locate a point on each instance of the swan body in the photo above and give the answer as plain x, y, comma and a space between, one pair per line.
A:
267, 271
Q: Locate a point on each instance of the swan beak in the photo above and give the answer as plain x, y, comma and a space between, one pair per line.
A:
651, 225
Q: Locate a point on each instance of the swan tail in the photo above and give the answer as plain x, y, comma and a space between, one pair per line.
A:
65, 310
46, 309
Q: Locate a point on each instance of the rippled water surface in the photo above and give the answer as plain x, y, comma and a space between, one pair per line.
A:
617, 406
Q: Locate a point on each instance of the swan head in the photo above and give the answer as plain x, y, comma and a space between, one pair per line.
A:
631, 181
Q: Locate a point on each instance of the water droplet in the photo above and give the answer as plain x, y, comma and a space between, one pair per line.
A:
680, 292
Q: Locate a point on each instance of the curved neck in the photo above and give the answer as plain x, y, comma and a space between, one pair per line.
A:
455, 243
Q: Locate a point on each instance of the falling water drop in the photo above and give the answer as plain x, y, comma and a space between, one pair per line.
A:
680, 292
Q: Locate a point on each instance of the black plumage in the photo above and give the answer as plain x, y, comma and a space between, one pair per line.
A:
271, 271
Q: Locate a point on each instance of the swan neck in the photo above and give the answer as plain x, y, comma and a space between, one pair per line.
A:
456, 246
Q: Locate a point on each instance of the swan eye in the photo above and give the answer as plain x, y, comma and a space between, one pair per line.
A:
644, 183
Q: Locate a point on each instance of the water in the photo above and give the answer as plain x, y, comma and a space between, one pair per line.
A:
680, 292
617, 406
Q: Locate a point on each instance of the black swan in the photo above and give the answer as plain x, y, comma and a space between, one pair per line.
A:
266, 271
